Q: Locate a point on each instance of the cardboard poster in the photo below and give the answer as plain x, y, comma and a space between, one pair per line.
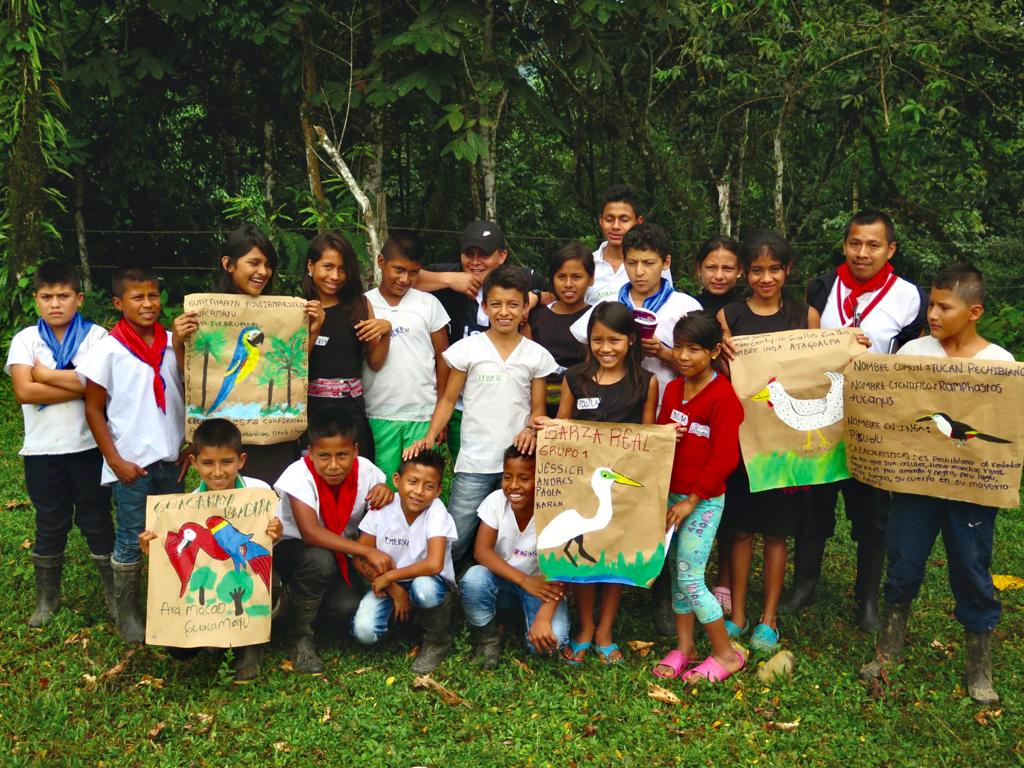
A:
791, 387
601, 500
248, 362
209, 568
946, 427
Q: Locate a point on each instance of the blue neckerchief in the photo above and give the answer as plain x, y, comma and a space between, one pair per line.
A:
64, 352
651, 303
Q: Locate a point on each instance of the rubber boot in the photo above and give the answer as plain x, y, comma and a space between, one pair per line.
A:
102, 563
870, 561
247, 662
979, 669
48, 572
806, 572
301, 648
889, 645
437, 636
661, 604
131, 623
486, 643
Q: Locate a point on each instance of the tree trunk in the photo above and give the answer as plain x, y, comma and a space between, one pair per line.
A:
737, 194
487, 170
270, 394
369, 215
474, 189
202, 596
305, 110
269, 178
855, 185
289, 406
780, 171
723, 185
83, 246
206, 365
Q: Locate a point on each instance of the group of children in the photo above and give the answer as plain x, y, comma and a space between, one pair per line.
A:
363, 539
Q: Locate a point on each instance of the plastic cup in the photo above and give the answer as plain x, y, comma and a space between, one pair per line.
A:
646, 321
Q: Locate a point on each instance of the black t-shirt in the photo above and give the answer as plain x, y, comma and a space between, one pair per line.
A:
337, 353
743, 322
712, 302
617, 403
551, 331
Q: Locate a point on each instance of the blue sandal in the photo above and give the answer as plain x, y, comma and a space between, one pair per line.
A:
574, 649
764, 638
606, 651
734, 630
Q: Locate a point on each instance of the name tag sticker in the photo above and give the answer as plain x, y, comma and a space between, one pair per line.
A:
679, 417
701, 430
587, 403
321, 341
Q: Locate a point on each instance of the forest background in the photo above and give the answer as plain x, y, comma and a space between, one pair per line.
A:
140, 131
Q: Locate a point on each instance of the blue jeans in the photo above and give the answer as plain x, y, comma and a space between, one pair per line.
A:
484, 594
967, 529
373, 614
130, 498
688, 557
469, 489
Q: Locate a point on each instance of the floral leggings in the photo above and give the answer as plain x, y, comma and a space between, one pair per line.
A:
688, 556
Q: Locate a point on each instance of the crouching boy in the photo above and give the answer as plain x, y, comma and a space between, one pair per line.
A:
508, 573
416, 533
324, 496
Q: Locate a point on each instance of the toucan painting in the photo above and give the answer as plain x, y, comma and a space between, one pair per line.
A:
958, 430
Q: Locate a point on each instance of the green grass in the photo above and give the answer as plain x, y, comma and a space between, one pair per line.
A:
791, 468
552, 715
637, 571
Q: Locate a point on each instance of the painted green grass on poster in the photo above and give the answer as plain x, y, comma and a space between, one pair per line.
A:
639, 572
792, 468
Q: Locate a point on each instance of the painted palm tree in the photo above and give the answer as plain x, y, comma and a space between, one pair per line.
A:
289, 357
270, 376
208, 342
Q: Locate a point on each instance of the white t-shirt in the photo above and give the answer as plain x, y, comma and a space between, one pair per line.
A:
142, 433
407, 544
298, 481
608, 280
405, 389
929, 346
496, 396
60, 427
678, 304
249, 482
515, 547
897, 309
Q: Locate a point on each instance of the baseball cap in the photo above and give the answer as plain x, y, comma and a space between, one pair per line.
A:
485, 235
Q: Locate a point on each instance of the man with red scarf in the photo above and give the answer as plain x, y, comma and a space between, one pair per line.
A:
324, 496
864, 293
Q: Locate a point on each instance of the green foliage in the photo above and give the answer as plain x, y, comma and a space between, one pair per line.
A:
203, 578
787, 469
639, 571
235, 587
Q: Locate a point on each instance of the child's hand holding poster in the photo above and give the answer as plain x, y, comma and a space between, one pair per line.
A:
209, 571
600, 501
791, 387
248, 362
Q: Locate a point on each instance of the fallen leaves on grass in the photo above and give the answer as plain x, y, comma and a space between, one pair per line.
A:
19, 504
448, 696
326, 717
205, 723
287, 666
92, 682
658, 693
1003, 581
523, 666
156, 730
361, 670
78, 638
792, 726
413, 652
640, 647
985, 717
153, 682
282, 746
26, 544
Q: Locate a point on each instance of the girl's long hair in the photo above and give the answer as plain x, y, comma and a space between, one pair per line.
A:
239, 242
619, 319
350, 296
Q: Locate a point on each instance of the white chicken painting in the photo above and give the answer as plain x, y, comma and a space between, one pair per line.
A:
806, 415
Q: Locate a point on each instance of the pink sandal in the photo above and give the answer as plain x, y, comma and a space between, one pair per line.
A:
724, 597
712, 671
677, 661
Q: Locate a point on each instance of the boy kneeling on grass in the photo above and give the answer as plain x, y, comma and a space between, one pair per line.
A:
416, 533
218, 459
508, 572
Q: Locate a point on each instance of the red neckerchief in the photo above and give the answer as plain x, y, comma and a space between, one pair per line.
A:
336, 506
847, 307
153, 356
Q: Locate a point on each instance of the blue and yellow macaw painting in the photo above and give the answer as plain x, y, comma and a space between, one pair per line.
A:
240, 547
245, 359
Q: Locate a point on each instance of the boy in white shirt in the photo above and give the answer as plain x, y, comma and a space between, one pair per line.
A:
134, 404
324, 496
501, 377
507, 572
647, 255
400, 397
956, 304
416, 533
62, 463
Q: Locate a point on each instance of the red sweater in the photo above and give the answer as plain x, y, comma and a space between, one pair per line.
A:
709, 450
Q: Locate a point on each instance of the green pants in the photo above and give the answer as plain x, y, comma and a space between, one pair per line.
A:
391, 438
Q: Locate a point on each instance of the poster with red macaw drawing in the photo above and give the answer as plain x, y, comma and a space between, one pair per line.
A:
209, 568
791, 387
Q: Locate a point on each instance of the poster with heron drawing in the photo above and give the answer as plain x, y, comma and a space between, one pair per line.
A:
600, 501
210, 568
248, 362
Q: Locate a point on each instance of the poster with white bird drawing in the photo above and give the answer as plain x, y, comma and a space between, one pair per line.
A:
944, 427
248, 362
791, 387
600, 501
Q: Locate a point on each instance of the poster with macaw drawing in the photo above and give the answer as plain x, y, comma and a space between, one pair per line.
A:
791, 387
600, 501
248, 362
209, 568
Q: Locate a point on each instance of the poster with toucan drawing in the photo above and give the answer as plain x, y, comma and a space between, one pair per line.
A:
248, 362
210, 568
